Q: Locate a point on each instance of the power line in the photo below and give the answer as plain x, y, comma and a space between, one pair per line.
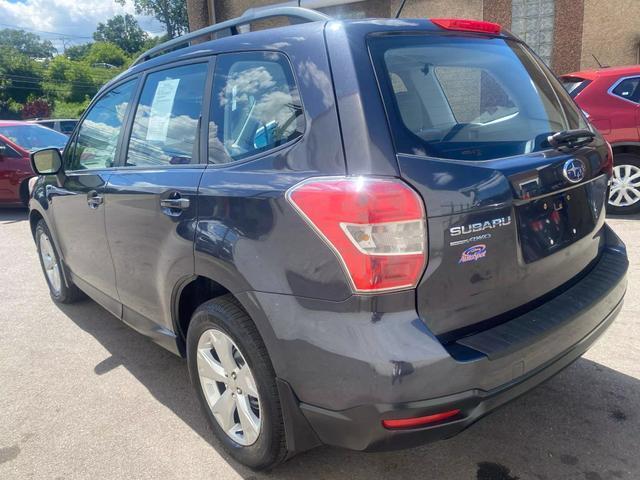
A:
38, 82
13, 27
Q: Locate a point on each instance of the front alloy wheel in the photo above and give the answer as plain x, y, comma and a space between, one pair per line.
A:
50, 263
229, 387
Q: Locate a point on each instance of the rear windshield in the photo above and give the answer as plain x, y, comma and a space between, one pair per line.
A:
468, 97
33, 137
574, 85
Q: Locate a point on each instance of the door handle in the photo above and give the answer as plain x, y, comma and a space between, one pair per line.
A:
176, 203
94, 200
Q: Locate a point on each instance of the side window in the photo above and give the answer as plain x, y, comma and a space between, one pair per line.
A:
8, 152
67, 126
166, 123
255, 106
97, 139
628, 89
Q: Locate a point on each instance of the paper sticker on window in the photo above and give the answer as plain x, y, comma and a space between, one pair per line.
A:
161, 107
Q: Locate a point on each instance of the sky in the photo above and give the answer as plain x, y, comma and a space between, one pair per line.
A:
69, 22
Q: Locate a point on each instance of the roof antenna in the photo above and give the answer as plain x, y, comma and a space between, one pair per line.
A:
400, 8
598, 62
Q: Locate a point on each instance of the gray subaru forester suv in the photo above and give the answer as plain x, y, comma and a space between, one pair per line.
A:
365, 233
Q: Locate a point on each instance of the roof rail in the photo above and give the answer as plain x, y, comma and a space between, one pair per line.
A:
251, 15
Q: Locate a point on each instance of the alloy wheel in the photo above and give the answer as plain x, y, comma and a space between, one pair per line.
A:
50, 263
229, 387
625, 186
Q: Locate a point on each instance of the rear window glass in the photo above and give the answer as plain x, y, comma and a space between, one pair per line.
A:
469, 98
574, 85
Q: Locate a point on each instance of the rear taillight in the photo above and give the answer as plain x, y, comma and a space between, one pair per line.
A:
375, 226
608, 165
465, 25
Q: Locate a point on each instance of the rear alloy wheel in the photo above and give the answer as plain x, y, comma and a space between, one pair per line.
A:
624, 194
235, 382
229, 387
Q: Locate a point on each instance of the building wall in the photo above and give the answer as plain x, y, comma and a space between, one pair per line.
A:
440, 8
611, 32
567, 39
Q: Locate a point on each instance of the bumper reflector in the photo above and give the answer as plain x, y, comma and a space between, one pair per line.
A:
419, 421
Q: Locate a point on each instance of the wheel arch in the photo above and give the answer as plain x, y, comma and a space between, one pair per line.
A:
34, 217
192, 292
625, 147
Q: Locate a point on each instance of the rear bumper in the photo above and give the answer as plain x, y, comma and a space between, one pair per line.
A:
360, 428
350, 365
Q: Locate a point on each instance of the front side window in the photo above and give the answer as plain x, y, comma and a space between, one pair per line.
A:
97, 139
255, 106
628, 89
165, 126
7, 152
467, 97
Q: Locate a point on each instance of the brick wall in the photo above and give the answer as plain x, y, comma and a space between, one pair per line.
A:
611, 31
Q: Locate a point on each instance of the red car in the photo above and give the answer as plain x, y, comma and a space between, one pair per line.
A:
17, 141
611, 99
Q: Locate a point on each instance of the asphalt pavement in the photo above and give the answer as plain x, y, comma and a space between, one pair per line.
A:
84, 396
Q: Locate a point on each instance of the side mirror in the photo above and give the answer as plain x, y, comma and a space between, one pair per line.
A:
3, 151
47, 161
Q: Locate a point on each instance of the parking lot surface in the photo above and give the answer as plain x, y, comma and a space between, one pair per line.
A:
84, 396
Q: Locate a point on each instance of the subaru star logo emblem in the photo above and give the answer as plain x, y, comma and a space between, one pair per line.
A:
573, 170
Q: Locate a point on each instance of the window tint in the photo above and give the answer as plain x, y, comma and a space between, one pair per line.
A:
255, 106
97, 138
628, 89
469, 98
33, 137
67, 126
165, 126
8, 151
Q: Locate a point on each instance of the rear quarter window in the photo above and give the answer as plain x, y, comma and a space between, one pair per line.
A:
628, 88
255, 106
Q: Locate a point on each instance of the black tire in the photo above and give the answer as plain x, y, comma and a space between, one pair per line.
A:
618, 160
225, 314
68, 292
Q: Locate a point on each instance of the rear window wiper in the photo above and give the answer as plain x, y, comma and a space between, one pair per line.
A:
571, 138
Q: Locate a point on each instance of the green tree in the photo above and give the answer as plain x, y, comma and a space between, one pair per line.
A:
28, 44
19, 75
171, 13
106, 53
121, 30
69, 80
77, 52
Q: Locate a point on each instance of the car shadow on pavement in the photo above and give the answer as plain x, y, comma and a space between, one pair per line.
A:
581, 424
13, 215
635, 216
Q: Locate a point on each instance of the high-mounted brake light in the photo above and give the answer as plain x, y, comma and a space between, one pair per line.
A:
375, 226
467, 25
419, 421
